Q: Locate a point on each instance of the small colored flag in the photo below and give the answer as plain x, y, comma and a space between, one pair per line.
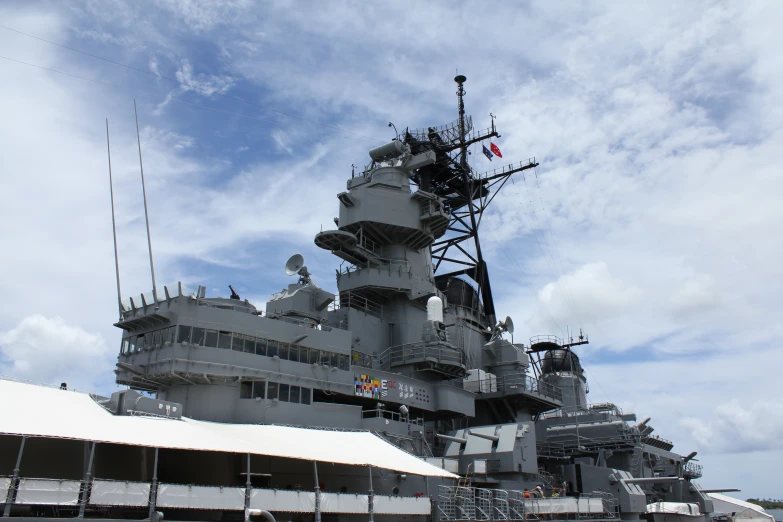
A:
495, 150
487, 153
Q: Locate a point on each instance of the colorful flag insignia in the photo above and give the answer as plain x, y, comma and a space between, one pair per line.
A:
487, 153
495, 150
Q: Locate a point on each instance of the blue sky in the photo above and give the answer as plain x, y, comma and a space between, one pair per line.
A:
652, 221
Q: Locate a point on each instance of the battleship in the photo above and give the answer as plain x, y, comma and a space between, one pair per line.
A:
401, 396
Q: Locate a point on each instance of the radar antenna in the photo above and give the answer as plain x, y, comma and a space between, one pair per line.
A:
295, 266
502, 327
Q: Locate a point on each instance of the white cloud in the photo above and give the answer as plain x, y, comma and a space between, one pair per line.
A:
735, 427
206, 84
51, 351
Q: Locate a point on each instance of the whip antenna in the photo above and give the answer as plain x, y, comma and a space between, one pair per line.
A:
146, 214
113, 223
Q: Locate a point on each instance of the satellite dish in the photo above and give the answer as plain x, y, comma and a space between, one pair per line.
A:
509, 325
295, 266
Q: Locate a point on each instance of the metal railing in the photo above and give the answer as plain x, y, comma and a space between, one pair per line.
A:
509, 384
546, 339
379, 413
465, 503
357, 302
419, 352
692, 470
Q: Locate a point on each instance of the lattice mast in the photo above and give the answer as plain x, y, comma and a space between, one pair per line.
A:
467, 194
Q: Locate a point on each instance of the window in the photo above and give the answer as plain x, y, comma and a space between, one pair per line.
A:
283, 351
224, 340
259, 389
271, 390
344, 362
326, 358
293, 353
306, 392
260, 346
198, 336
304, 354
211, 338
239, 342
250, 344
271, 348
156, 338
294, 394
282, 391
140, 343
184, 334
125, 345
171, 334
132, 343
314, 355
245, 390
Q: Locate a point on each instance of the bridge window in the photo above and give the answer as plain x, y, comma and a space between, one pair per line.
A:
260, 346
245, 390
282, 391
259, 389
294, 394
271, 348
271, 390
211, 338
183, 336
224, 340
197, 337
306, 392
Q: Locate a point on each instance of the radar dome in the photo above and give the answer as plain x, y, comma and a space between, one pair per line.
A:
435, 309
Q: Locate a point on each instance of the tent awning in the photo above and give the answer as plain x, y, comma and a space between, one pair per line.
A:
39, 411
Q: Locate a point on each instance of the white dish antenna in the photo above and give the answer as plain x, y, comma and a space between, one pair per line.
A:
504, 326
295, 266
508, 325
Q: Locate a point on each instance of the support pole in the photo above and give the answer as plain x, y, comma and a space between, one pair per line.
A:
10, 498
248, 490
371, 498
113, 223
317, 494
154, 488
146, 215
87, 484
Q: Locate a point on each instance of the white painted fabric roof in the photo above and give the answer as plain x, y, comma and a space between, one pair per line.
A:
726, 504
40, 411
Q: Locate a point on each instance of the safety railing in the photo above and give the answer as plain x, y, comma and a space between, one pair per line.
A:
417, 352
509, 384
380, 413
458, 503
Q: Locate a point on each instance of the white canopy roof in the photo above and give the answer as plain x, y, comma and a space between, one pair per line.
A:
39, 411
726, 504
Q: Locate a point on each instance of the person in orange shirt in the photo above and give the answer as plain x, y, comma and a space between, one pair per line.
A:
526, 494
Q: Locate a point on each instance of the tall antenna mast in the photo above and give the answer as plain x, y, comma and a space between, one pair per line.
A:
146, 214
113, 223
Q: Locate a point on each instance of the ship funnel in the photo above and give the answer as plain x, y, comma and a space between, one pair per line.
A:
435, 309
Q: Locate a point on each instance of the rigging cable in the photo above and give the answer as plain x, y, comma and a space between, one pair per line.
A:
524, 277
549, 259
187, 84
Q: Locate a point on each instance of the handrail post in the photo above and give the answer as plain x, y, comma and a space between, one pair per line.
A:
317, 494
371, 500
86, 485
154, 488
13, 487
248, 490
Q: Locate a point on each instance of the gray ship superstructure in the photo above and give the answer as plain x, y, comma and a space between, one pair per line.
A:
410, 352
